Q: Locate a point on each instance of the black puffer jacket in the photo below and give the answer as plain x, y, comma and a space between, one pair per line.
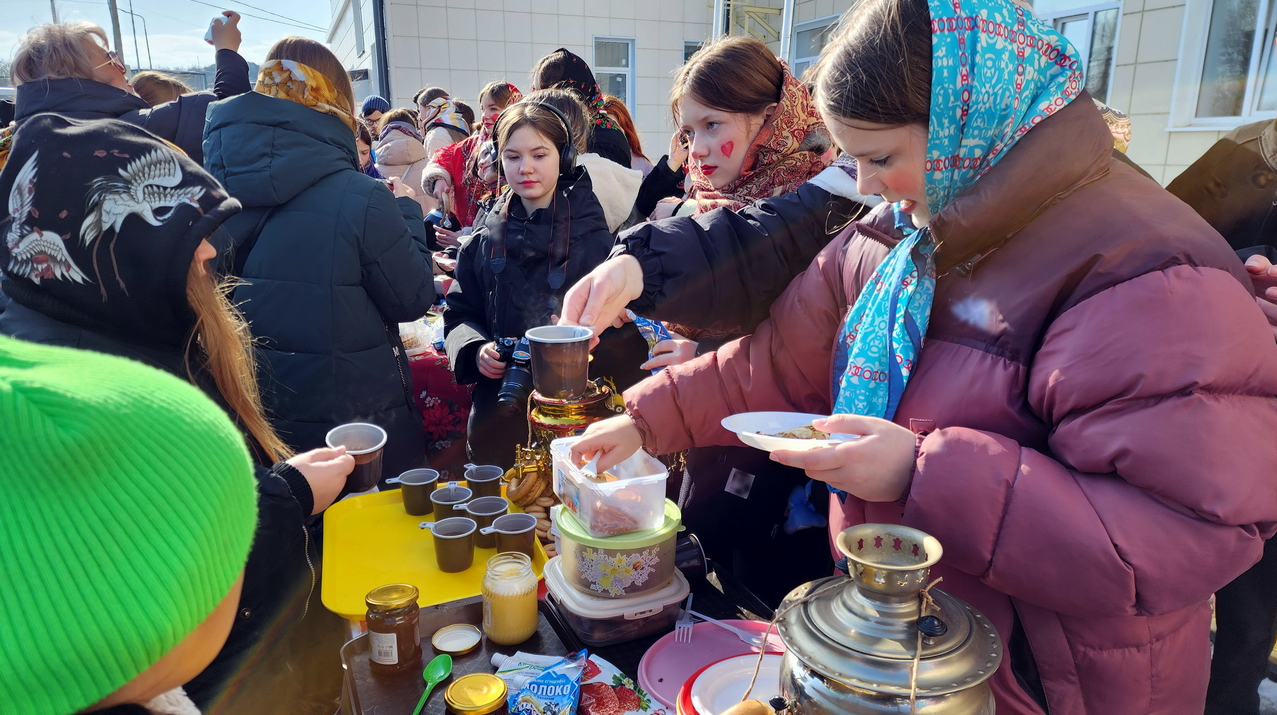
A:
722, 270
337, 265
180, 121
484, 304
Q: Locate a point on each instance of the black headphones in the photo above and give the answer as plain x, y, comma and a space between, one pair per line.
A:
567, 154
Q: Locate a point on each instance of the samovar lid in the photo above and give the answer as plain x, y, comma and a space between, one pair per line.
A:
863, 631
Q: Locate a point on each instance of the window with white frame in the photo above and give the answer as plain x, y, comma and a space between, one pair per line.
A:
614, 67
808, 40
1227, 72
1092, 28
691, 47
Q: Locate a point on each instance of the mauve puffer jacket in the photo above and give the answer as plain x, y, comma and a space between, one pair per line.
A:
1100, 393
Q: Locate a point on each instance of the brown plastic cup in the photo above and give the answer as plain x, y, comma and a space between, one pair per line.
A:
417, 485
448, 496
454, 542
514, 532
484, 511
484, 479
366, 443
560, 360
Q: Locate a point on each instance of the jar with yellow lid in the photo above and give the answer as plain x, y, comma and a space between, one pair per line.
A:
478, 694
509, 599
394, 627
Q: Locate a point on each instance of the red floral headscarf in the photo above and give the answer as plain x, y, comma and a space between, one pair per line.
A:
785, 154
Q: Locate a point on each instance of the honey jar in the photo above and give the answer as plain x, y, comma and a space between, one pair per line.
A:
394, 627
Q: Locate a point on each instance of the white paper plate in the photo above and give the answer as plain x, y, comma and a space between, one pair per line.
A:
756, 429
723, 684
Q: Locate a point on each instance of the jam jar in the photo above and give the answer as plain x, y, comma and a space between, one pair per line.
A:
394, 627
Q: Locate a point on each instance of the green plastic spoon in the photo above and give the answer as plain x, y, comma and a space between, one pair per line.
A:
436, 672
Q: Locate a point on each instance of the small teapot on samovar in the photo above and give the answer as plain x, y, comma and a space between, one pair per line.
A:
874, 644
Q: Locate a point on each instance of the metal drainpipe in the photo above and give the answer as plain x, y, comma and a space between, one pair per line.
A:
380, 56
786, 29
719, 7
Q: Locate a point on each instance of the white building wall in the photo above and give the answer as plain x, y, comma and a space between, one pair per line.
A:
1143, 83
461, 45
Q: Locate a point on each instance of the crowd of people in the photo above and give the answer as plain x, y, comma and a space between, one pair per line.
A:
1068, 376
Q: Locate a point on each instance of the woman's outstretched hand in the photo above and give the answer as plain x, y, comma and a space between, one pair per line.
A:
598, 300
877, 467
613, 440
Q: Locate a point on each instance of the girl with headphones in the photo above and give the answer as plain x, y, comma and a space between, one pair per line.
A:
544, 232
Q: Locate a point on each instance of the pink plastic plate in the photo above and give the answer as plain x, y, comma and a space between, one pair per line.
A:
667, 665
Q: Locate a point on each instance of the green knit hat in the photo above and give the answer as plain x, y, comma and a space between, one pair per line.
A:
127, 508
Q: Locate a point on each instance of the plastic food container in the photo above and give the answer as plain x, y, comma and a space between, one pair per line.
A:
604, 621
633, 502
619, 567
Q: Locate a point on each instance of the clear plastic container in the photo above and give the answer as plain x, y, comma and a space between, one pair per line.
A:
633, 501
605, 621
621, 566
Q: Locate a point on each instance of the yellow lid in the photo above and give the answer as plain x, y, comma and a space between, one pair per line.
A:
388, 598
477, 694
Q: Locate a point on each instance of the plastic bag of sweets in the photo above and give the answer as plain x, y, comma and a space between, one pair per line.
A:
652, 332
605, 690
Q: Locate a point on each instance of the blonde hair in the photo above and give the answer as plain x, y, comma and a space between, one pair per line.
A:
316, 56
225, 349
157, 88
55, 51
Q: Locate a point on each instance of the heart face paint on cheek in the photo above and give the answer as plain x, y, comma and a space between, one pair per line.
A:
727, 148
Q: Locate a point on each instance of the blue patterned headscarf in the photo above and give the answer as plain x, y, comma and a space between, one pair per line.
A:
996, 72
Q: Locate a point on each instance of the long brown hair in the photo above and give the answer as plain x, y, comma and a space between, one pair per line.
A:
732, 74
621, 115
315, 55
223, 347
877, 66
527, 113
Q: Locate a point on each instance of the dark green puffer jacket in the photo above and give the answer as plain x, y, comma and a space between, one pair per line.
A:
336, 266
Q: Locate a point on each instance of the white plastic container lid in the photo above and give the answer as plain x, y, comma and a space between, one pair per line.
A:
595, 608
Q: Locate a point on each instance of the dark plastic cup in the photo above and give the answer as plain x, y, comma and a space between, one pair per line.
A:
484, 511
446, 497
417, 485
560, 360
514, 532
454, 542
484, 479
367, 444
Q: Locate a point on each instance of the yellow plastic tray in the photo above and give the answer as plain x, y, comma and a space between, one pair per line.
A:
370, 541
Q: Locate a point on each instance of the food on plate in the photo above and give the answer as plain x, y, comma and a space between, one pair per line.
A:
803, 432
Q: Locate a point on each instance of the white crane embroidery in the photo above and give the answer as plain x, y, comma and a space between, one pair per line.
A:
35, 254
148, 187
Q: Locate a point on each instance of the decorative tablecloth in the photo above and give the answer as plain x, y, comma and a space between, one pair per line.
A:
445, 406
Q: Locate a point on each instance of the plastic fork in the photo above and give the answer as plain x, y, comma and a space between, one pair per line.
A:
683, 627
745, 636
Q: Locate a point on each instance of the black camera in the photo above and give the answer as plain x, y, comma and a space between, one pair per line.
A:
516, 385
